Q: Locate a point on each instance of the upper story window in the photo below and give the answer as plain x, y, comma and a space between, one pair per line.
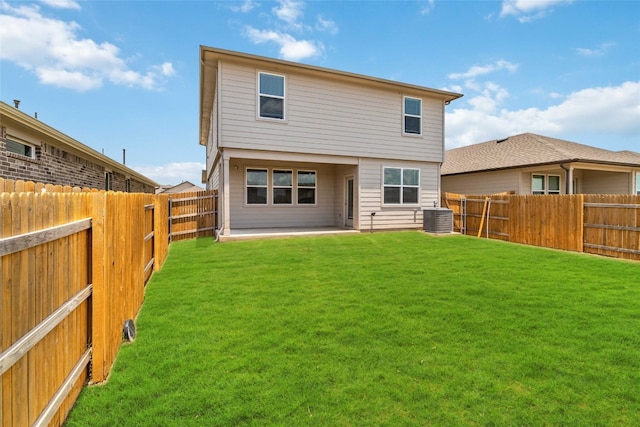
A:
21, 148
412, 115
545, 184
271, 96
401, 186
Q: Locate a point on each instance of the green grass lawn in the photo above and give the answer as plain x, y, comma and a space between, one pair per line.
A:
382, 329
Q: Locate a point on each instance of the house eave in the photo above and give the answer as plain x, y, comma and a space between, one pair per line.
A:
70, 144
556, 162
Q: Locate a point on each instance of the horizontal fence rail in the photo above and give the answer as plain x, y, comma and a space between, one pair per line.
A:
192, 214
74, 266
599, 224
45, 300
14, 353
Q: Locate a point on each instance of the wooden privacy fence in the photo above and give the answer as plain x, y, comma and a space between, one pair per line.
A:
599, 224
74, 266
192, 214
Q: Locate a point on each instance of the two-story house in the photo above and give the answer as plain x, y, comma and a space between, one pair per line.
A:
294, 145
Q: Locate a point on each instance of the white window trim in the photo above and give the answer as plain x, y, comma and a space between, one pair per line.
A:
270, 186
405, 114
246, 186
546, 183
315, 187
401, 186
273, 186
638, 183
284, 98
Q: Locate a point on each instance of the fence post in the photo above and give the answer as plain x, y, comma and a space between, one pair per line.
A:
580, 225
98, 300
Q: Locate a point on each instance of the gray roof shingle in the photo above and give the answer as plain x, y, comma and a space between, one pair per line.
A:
529, 149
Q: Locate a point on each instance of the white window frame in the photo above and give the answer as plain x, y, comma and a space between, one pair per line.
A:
271, 186
638, 183
307, 187
246, 186
401, 186
545, 184
405, 115
275, 187
283, 97
24, 144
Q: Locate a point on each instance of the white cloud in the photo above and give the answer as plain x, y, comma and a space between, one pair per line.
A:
290, 48
53, 51
598, 51
529, 10
610, 110
166, 69
490, 97
479, 70
173, 173
289, 14
427, 7
289, 11
326, 25
61, 4
68, 79
245, 7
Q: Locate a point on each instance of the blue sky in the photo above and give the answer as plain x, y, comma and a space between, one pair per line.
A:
125, 74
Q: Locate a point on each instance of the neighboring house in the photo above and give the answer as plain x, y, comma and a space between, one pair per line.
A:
294, 145
534, 164
183, 187
33, 151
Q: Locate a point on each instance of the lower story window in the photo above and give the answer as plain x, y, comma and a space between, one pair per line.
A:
306, 187
20, 148
638, 183
401, 186
256, 186
282, 187
545, 184
264, 186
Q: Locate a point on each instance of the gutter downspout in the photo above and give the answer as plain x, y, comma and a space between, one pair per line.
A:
568, 179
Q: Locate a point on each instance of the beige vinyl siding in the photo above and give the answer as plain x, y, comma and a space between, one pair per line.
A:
212, 143
603, 182
326, 116
214, 180
263, 216
394, 217
483, 182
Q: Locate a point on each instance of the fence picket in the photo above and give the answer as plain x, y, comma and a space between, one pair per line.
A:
600, 224
42, 270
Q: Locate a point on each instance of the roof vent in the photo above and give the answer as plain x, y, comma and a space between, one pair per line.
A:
16, 103
498, 141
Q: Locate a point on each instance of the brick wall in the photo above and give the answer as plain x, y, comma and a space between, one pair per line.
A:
55, 166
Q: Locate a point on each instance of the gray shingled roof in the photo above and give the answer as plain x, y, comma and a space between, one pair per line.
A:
528, 149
